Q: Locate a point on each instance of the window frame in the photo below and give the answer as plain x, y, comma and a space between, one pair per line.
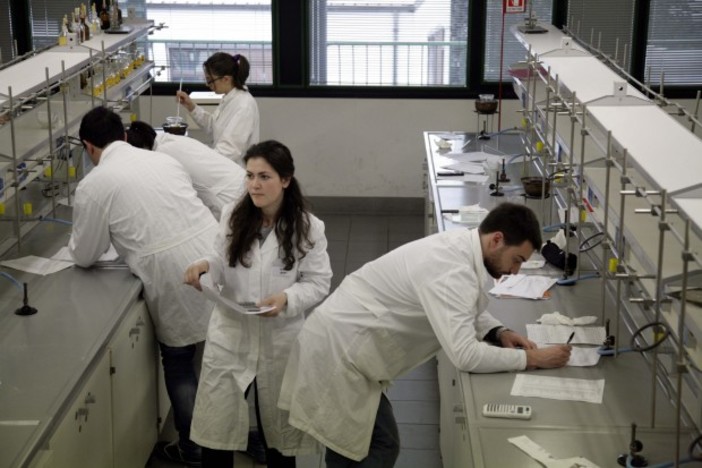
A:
291, 59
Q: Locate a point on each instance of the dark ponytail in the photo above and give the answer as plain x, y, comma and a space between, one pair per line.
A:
224, 64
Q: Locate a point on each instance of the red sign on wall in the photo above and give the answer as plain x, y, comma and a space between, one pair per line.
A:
513, 6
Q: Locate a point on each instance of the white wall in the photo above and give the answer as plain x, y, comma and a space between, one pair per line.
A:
355, 147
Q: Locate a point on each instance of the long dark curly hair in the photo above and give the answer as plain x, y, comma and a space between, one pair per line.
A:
292, 225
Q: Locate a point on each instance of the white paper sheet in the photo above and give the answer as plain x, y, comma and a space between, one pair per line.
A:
558, 388
212, 293
559, 334
63, 255
580, 356
37, 265
525, 286
466, 167
583, 357
540, 454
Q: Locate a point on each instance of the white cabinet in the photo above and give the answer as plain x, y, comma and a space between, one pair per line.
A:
134, 389
454, 438
84, 437
112, 421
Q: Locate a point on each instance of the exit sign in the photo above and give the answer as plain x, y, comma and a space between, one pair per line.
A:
513, 6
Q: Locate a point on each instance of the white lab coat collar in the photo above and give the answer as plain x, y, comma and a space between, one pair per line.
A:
478, 261
111, 149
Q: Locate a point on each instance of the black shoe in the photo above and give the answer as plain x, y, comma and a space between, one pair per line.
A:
170, 451
255, 448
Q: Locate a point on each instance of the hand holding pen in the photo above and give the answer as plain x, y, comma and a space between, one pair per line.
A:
570, 338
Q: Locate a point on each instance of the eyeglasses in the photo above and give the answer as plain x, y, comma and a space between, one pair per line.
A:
211, 81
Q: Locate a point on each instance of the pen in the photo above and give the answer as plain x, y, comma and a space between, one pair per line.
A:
449, 174
570, 338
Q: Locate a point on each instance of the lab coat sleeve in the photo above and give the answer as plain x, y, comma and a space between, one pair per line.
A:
203, 118
90, 237
235, 133
450, 299
314, 274
485, 322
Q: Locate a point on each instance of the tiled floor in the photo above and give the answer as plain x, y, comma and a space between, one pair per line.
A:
353, 241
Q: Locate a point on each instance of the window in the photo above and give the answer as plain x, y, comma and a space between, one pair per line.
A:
674, 43
388, 43
197, 30
606, 25
6, 50
513, 50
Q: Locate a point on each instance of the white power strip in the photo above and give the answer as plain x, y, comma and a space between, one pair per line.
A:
501, 410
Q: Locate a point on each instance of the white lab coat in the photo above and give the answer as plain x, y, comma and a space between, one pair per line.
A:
233, 126
217, 180
143, 203
240, 348
383, 320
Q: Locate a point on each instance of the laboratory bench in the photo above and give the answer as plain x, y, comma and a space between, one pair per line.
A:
79, 378
598, 432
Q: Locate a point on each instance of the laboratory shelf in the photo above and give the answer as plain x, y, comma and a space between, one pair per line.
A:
663, 198
664, 150
587, 77
50, 93
30, 75
549, 42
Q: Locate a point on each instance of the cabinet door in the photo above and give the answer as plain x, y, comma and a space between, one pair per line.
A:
134, 396
448, 386
84, 437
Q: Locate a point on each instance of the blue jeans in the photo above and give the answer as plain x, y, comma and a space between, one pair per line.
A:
384, 447
179, 371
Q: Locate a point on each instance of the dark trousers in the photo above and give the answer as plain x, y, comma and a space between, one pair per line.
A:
384, 447
212, 458
181, 384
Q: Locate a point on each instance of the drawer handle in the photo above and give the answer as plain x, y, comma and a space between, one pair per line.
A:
140, 322
458, 409
89, 399
460, 419
82, 412
134, 331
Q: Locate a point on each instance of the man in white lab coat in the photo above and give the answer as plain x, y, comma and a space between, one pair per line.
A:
393, 314
217, 180
144, 204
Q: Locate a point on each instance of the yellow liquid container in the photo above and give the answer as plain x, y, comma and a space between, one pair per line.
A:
2, 208
71, 171
27, 208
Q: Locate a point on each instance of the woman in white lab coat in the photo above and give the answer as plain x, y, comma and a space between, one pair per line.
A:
272, 252
234, 125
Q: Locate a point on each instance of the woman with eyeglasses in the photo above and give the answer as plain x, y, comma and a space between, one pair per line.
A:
273, 252
234, 125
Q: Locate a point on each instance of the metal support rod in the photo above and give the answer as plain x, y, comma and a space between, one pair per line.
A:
583, 133
659, 274
681, 347
52, 143
605, 227
620, 249
64, 94
14, 169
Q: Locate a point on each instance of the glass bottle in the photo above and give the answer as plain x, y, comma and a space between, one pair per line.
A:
63, 35
114, 15
104, 16
95, 24
84, 27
